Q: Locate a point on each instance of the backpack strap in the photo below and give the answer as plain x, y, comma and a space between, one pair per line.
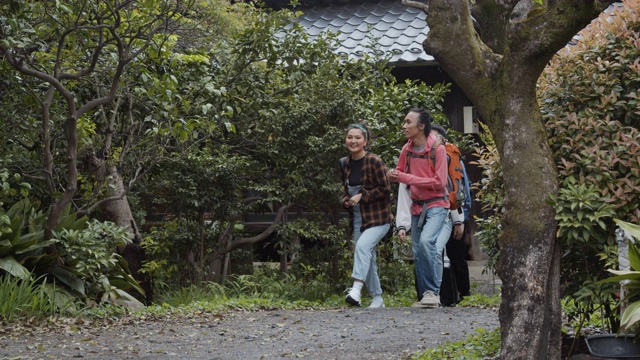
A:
432, 152
440, 140
343, 164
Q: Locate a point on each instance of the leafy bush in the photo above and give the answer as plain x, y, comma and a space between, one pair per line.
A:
84, 266
597, 77
90, 252
481, 300
589, 101
489, 192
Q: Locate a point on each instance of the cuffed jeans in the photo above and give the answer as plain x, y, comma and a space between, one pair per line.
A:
425, 252
365, 267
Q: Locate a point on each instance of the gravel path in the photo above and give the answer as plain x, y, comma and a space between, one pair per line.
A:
345, 333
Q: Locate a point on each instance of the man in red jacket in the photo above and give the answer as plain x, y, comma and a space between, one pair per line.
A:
429, 197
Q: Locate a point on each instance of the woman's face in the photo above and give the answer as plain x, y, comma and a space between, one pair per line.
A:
355, 140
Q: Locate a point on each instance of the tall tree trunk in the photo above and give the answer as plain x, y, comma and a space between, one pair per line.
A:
529, 259
116, 208
119, 211
59, 206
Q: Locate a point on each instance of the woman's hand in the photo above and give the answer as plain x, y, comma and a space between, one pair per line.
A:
355, 199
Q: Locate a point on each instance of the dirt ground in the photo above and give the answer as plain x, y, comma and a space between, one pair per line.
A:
344, 333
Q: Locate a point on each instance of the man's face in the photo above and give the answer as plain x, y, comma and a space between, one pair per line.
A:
411, 127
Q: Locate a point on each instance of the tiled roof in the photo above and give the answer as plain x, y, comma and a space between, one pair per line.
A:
399, 30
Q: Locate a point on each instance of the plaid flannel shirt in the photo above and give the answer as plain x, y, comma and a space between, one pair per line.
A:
376, 192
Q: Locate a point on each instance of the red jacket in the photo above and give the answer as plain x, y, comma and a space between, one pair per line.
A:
425, 182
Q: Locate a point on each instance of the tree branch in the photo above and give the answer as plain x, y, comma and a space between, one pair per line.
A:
471, 63
232, 245
547, 29
417, 5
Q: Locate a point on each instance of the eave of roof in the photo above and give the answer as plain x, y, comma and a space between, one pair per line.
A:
398, 30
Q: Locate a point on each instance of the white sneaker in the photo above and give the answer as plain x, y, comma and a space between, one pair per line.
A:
377, 302
430, 299
353, 297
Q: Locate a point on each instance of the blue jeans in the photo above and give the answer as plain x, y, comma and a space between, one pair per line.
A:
425, 254
441, 243
365, 267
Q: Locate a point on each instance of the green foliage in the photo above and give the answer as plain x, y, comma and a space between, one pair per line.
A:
490, 193
90, 253
585, 315
171, 252
396, 275
235, 105
182, 296
481, 300
23, 248
85, 266
267, 109
304, 285
482, 344
490, 229
588, 97
581, 212
598, 77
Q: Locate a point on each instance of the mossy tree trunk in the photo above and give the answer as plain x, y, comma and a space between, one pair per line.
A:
497, 63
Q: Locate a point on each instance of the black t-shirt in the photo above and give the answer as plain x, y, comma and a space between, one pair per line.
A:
356, 172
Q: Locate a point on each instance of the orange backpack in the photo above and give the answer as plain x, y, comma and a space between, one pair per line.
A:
455, 175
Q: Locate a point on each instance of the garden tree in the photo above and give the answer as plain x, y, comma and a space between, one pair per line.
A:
497, 65
280, 104
595, 153
66, 47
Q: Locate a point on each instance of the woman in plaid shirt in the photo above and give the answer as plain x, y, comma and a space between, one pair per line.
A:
367, 198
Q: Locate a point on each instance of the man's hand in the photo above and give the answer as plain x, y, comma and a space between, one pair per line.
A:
393, 175
458, 230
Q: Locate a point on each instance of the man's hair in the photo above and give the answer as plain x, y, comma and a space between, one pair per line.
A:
439, 129
424, 119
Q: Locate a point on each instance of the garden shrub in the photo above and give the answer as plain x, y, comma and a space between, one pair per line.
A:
588, 96
85, 267
589, 101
